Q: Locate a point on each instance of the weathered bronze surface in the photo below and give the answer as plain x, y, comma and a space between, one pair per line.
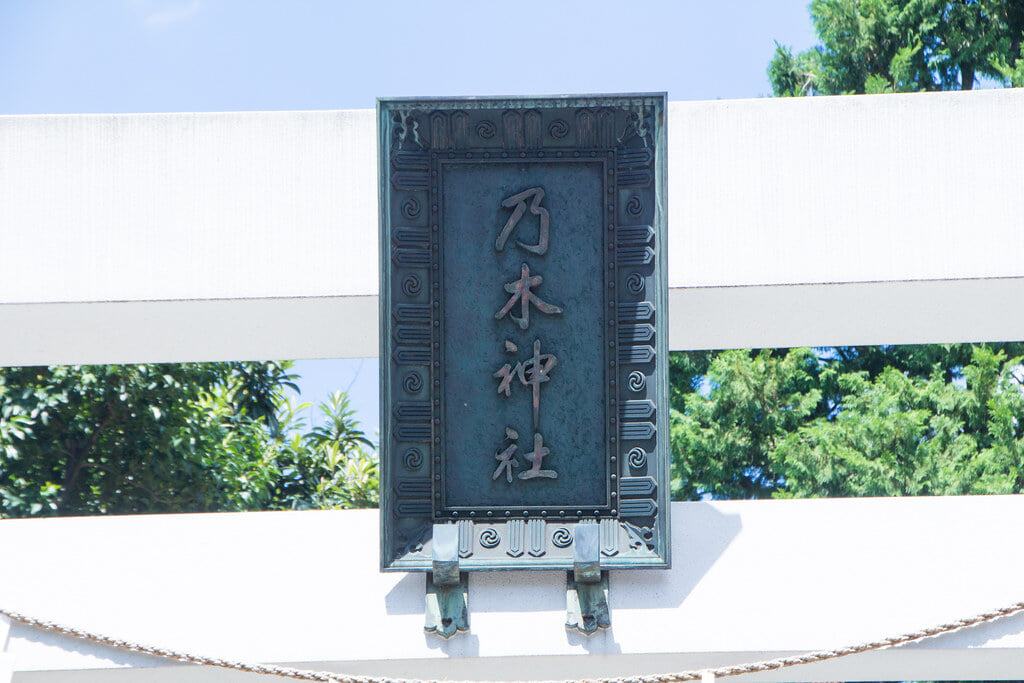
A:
523, 329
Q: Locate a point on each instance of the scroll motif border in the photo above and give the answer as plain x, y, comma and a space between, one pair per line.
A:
416, 138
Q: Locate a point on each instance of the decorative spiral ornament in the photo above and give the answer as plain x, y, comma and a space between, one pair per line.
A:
634, 283
636, 381
558, 128
411, 208
412, 382
562, 538
637, 458
412, 459
634, 207
485, 129
489, 538
411, 285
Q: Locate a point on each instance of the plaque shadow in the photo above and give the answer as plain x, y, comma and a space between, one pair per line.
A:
601, 643
407, 595
459, 645
699, 537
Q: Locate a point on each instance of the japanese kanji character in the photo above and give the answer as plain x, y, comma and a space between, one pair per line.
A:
519, 202
521, 291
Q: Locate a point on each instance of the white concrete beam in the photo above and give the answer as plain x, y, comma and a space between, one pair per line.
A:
255, 234
923, 311
752, 580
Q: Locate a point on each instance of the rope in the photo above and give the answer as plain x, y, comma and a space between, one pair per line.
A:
694, 675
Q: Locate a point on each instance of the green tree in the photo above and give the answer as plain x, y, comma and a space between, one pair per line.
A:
878, 46
172, 438
853, 421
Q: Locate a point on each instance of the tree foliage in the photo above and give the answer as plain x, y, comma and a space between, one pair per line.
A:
854, 421
172, 438
879, 46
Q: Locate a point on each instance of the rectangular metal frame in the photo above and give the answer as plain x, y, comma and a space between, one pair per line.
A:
417, 140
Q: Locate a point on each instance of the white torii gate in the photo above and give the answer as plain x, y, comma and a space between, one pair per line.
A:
193, 237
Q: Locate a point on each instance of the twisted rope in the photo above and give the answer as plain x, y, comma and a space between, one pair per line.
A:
694, 675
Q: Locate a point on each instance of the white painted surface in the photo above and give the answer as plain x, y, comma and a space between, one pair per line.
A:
846, 189
282, 204
132, 207
752, 580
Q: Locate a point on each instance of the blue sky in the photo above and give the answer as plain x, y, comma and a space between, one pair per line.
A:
113, 56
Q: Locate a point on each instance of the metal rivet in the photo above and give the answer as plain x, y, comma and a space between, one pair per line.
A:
543, 513
579, 512
613, 420
490, 514
613, 441
612, 363
434, 173
451, 155
437, 439
508, 513
561, 513
611, 171
558, 154
473, 514
487, 155
434, 208
540, 154
522, 155
614, 477
434, 227
469, 155
614, 511
614, 495
526, 513
504, 154
455, 514
612, 382
593, 154
436, 345
575, 154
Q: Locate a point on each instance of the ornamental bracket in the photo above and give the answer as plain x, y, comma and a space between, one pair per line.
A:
447, 604
586, 596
